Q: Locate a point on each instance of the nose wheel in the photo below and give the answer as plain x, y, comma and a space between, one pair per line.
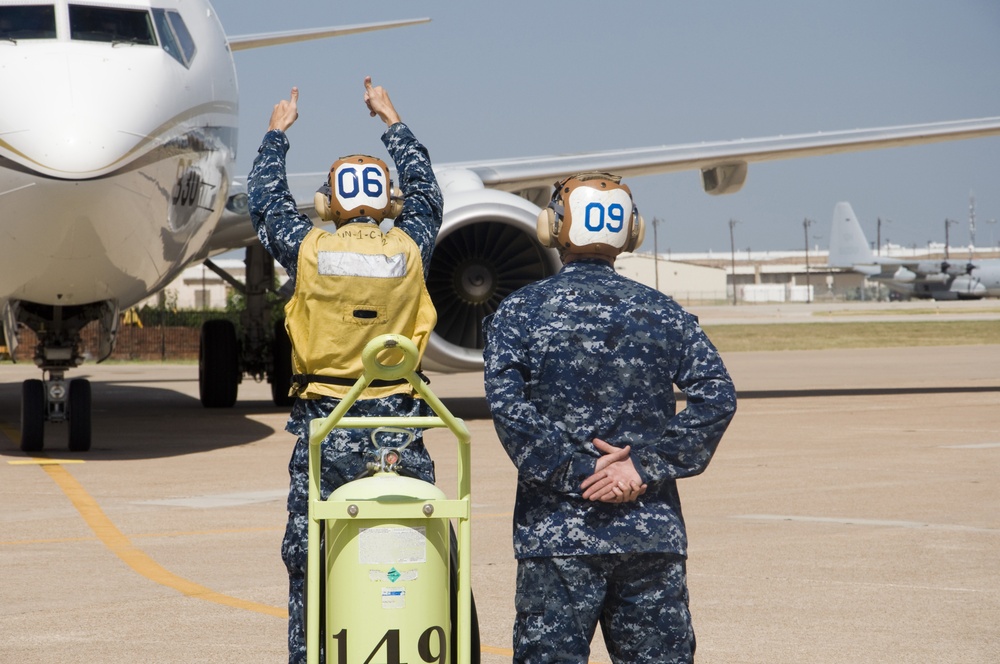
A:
32, 416
79, 415
55, 401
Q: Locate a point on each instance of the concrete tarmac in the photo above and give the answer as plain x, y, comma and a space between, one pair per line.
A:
851, 514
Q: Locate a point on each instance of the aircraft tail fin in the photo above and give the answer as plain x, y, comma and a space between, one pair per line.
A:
848, 244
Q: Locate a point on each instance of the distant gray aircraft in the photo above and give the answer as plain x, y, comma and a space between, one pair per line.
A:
945, 279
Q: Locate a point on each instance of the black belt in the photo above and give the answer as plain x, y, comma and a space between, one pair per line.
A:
301, 380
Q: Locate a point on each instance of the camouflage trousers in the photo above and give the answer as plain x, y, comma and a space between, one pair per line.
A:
293, 552
640, 600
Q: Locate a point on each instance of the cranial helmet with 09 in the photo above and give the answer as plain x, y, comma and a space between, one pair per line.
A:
591, 214
358, 186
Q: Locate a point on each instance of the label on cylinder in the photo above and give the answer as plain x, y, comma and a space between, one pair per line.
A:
388, 545
394, 598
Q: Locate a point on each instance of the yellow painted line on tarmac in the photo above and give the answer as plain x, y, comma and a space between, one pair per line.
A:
119, 544
138, 560
496, 651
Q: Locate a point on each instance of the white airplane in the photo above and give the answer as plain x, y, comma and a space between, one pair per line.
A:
119, 174
944, 279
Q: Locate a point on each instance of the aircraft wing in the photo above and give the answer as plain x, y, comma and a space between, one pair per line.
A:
244, 42
719, 160
723, 164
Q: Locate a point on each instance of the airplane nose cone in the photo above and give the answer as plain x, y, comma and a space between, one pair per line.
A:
88, 119
76, 147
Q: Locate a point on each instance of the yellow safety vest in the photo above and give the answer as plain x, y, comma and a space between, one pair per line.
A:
353, 285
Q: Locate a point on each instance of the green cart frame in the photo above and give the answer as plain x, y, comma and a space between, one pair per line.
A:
329, 510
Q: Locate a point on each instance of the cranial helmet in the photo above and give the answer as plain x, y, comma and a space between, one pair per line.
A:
591, 214
358, 186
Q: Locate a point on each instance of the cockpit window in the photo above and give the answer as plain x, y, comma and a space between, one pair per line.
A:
27, 22
174, 36
107, 24
183, 36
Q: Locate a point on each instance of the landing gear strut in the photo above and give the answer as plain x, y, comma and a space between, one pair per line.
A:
258, 347
53, 399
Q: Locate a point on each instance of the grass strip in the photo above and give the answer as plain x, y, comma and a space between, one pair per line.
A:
823, 336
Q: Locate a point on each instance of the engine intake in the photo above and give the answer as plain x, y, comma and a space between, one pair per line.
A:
486, 250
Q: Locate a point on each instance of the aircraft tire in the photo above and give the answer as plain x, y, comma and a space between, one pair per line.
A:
32, 415
281, 374
218, 364
79, 415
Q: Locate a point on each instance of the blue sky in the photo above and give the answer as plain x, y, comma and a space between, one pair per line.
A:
535, 77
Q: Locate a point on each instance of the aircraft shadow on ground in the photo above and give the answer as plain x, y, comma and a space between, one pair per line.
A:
140, 422
132, 421
145, 421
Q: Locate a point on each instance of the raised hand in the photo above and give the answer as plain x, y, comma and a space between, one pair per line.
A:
378, 103
285, 112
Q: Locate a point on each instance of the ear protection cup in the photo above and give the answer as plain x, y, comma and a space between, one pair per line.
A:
322, 204
395, 204
637, 232
546, 228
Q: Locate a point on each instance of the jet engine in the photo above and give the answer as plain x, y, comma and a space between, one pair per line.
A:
487, 248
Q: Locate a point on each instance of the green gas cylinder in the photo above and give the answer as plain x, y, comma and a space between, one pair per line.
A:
387, 595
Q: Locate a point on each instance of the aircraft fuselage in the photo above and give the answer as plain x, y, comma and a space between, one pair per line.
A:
125, 154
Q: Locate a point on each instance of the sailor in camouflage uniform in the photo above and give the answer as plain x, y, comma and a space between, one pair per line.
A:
580, 375
284, 231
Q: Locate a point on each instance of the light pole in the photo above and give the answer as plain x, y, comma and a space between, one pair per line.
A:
878, 249
732, 253
947, 224
806, 223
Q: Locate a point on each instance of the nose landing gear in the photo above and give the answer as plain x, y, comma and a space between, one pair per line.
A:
55, 400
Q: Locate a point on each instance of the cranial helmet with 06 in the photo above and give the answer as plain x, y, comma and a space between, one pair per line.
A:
358, 186
591, 214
